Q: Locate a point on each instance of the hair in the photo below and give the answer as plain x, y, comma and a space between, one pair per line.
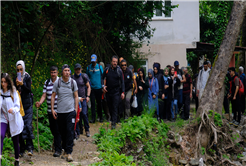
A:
53, 68
9, 82
168, 66
115, 56
232, 69
123, 61
184, 68
102, 64
205, 63
209, 62
241, 69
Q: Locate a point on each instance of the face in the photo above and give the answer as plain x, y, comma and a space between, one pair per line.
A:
209, 65
166, 72
172, 71
114, 62
94, 63
53, 74
4, 83
66, 73
150, 75
232, 73
155, 70
77, 71
141, 74
185, 71
177, 67
205, 67
123, 66
20, 69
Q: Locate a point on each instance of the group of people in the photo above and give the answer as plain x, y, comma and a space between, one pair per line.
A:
111, 88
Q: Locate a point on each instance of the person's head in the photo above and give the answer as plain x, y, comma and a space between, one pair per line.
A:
232, 71
176, 65
150, 73
169, 67
209, 64
53, 72
131, 68
120, 59
93, 59
172, 71
123, 65
185, 70
156, 67
241, 70
6, 83
102, 64
141, 73
205, 65
65, 71
182, 68
77, 69
114, 61
166, 71
20, 67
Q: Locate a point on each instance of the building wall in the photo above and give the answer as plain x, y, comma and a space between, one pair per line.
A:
173, 35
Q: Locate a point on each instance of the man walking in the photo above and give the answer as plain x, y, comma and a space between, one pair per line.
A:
67, 105
114, 88
95, 71
234, 97
202, 79
82, 81
128, 79
187, 94
47, 92
243, 79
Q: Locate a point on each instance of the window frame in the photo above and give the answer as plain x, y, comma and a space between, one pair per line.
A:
163, 17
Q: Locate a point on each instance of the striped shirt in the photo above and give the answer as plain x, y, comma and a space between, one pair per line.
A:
48, 91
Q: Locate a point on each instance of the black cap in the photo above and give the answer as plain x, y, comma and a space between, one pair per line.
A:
77, 66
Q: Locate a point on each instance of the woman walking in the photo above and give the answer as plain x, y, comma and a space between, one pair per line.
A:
165, 113
153, 91
23, 84
10, 114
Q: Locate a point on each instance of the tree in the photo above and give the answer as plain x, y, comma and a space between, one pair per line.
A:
212, 91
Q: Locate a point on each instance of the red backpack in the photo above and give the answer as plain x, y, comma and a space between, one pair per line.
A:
241, 87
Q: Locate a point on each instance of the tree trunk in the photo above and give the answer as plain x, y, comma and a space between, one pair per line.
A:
243, 44
212, 91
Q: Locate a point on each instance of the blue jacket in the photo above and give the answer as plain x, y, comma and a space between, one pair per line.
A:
153, 89
95, 75
242, 78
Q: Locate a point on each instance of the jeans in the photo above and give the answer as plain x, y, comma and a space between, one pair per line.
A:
175, 103
83, 115
55, 132
113, 105
96, 96
66, 122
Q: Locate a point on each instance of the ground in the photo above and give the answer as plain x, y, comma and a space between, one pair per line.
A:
83, 146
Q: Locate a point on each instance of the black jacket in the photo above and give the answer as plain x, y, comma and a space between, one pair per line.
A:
173, 91
160, 79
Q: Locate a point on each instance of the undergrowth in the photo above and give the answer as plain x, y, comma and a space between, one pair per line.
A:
145, 128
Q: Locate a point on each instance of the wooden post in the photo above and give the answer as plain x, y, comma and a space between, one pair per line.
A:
38, 133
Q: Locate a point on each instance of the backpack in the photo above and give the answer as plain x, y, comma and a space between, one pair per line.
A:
99, 68
72, 85
118, 72
241, 87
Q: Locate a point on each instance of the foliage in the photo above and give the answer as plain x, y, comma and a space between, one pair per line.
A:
226, 157
216, 117
203, 150
110, 142
7, 149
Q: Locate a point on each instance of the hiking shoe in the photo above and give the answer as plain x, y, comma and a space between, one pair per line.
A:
16, 163
69, 158
30, 152
236, 124
64, 155
57, 154
21, 154
88, 134
232, 122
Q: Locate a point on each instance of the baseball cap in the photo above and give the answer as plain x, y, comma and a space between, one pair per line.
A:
93, 58
176, 63
77, 65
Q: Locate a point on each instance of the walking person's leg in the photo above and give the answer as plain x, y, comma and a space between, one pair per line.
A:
115, 105
128, 104
234, 110
171, 109
186, 99
4, 127
85, 118
62, 125
15, 140
99, 103
93, 105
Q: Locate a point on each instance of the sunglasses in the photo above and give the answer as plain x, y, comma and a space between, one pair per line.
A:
123, 65
19, 70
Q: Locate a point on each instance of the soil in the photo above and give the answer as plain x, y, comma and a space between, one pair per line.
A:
84, 153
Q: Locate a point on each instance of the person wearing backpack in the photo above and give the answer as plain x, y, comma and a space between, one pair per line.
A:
114, 88
153, 91
95, 71
10, 114
47, 92
66, 90
23, 85
243, 80
234, 97
82, 81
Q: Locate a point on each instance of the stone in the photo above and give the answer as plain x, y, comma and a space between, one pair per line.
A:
237, 163
243, 121
174, 158
194, 162
243, 158
183, 162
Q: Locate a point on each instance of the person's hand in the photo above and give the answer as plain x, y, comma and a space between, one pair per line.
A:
154, 96
87, 99
82, 99
10, 110
54, 114
104, 89
19, 82
143, 81
122, 96
166, 86
190, 95
163, 96
80, 109
77, 120
141, 88
228, 96
38, 104
136, 91
234, 98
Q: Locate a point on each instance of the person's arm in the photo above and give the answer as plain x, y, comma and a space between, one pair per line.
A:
122, 85
198, 83
16, 102
136, 86
183, 79
101, 74
76, 98
88, 91
191, 87
237, 88
52, 104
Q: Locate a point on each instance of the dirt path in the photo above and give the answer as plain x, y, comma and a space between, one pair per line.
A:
84, 153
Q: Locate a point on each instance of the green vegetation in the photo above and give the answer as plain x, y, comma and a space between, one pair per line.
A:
8, 148
226, 157
203, 150
144, 129
216, 117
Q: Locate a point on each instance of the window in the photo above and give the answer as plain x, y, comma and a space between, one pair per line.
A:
158, 14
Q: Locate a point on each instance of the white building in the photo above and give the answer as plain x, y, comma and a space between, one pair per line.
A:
174, 33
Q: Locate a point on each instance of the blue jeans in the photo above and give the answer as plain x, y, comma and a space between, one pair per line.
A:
175, 103
83, 115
